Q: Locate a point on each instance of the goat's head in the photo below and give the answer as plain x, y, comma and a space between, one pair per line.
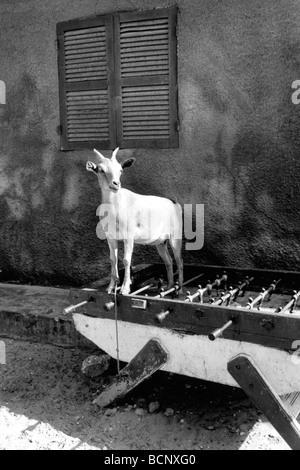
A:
109, 170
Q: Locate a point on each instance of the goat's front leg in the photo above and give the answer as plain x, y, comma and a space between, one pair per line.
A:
128, 248
113, 249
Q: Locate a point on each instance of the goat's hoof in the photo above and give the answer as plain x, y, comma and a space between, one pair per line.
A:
125, 291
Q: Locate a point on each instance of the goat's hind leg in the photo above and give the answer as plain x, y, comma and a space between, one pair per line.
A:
162, 249
114, 279
176, 245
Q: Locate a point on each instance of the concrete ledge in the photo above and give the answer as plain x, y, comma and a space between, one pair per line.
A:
35, 313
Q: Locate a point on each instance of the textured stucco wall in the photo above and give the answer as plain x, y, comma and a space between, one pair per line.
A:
239, 139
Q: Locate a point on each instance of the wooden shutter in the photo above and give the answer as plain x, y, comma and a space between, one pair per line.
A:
146, 78
86, 79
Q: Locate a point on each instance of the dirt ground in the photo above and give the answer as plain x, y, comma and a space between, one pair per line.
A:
46, 404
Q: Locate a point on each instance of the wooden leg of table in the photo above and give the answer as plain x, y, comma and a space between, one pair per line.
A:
150, 359
247, 374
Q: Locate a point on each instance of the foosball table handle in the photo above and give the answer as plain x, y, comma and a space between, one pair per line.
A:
219, 331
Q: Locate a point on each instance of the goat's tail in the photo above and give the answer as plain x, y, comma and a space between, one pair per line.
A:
174, 200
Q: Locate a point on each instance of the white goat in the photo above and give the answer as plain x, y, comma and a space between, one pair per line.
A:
134, 218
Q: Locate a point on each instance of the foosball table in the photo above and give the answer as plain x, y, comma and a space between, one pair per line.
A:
239, 327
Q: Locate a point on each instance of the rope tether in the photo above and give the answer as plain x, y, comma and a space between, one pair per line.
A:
117, 333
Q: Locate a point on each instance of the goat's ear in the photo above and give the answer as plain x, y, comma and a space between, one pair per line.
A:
99, 155
128, 162
114, 154
90, 166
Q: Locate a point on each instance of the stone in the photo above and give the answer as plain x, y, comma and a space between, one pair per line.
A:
94, 366
140, 412
153, 406
169, 412
111, 411
244, 427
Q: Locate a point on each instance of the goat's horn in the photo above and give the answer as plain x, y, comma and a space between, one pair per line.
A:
114, 155
99, 155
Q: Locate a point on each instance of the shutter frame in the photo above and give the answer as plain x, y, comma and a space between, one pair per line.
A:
148, 81
173, 74
86, 86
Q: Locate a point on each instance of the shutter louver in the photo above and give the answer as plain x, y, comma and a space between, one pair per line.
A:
144, 48
87, 113
145, 112
84, 52
146, 65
